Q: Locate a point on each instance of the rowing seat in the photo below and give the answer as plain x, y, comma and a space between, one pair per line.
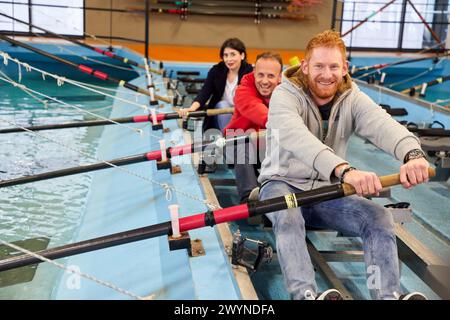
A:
188, 73
394, 111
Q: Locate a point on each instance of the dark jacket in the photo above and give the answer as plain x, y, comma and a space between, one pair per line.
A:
215, 86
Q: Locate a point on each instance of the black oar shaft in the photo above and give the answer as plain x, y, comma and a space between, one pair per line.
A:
438, 81
165, 228
238, 212
78, 124
431, 83
116, 239
149, 156
134, 119
75, 170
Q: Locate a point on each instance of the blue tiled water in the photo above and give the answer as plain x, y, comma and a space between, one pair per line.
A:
51, 208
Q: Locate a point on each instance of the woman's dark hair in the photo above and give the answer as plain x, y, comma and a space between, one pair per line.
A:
236, 44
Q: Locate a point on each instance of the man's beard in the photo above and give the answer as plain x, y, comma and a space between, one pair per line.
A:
321, 92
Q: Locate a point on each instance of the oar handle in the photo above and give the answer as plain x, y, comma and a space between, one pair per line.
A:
215, 112
164, 99
386, 181
152, 70
156, 71
157, 97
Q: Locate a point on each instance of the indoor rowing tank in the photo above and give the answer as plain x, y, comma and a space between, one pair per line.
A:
64, 210
51, 213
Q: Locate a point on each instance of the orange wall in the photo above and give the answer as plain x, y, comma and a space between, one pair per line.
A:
200, 54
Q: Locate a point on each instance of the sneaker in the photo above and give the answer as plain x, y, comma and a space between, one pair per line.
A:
330, 294
254, 195
412, 296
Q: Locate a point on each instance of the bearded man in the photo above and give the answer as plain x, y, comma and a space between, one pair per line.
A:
312, 114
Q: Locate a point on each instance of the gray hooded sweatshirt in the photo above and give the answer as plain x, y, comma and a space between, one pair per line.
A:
296, 150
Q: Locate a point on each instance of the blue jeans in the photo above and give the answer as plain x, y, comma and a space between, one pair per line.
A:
246, 163
351, 215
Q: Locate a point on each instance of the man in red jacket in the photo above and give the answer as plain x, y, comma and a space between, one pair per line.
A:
251, 106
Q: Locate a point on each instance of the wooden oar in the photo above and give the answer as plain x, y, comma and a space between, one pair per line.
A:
210, 218
134, 119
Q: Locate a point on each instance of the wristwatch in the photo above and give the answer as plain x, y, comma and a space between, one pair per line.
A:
414, 154
346, 170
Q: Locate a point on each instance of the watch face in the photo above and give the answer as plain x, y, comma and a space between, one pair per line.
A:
415, 154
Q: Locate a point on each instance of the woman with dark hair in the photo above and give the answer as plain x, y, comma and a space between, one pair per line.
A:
221, 83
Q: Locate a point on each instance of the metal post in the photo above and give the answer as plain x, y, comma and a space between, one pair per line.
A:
402, 26
146, 28
30, 17
110, 48
333, 18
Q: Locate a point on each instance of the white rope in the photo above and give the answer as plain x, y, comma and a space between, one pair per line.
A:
60, 81
75, 271
44, 102
221, 142
23, 87
409, 79
75, 83
5, 57
418, 75
165, 186
441, 101
168, 191
27, 66
19, 72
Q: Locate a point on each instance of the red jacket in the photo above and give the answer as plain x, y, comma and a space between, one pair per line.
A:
250, 108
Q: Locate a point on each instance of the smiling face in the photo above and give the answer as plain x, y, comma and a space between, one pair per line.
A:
325, 70
232, 58
267, 76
